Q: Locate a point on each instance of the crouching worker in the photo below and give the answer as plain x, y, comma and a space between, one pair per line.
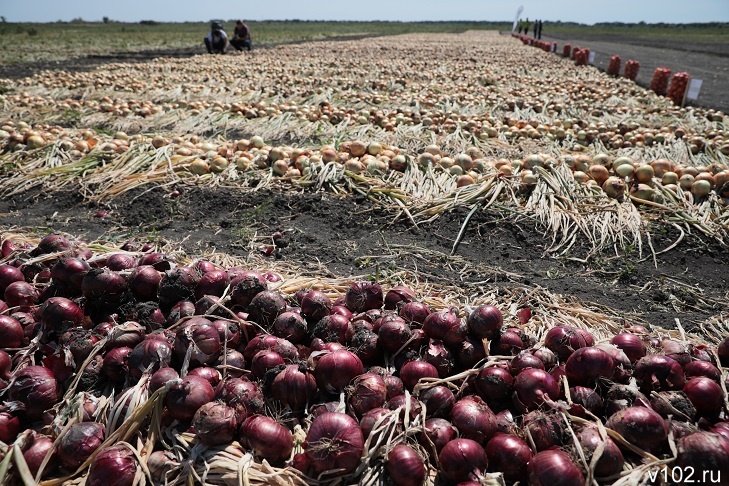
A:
217, 40
241, 36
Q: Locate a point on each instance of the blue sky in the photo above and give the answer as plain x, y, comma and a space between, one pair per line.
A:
584, 11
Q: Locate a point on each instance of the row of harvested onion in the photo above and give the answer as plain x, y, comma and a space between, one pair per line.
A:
457, 393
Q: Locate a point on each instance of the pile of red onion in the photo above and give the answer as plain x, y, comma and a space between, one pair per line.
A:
319, 383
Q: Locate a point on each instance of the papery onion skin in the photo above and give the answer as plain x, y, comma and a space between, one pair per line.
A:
659, 373
36, 387
34, 452
704, 451
546, 429
631, 344
334, 441
474, 419
405, 466
114, 466
463, 459
611, 460
363, 296
79, 442
554, 467
641, 426
366, 392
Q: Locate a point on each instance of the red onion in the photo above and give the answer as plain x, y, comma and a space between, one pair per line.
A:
115, 466
342, 311
619, 397
611, 460
463, 459
485, 321
723, 351
242, 395
267, 438
36, 388
177, 284
334, 328
315, 305
52, 244
371, 418
120, 261
394, 386
181, 309
11, 332
508, 344
334, 441
398, 296
446, 326
470, 352
202, 338
631, 344
367, 391
564, 340
364, 344
161, 377
393, 334
438, 432
532, 387
673, 403
104, 285
216, 423
547, 357
363, 296
79, 442
640, 426
706, 395
264, 361
9, 427
525, 360
554, 466
157, 260
127, 334
659, 373
474, 419
291, 326
35, 450
265, 307
206, 306
335, 370
144, 282
405, 466
246, 285
704, 451
186, 396
149, 356
6, 364
438, 401
8, 275
721, 428
677, 350
159, 464
494, 383
20, 294
211, 375
232, 363
509, 455
321, 345
412, 371
268, 341
546, 429
213, 282
702, 368
116, 364
414, 313
587, 364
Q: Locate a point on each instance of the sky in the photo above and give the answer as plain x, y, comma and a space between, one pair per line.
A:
582, 11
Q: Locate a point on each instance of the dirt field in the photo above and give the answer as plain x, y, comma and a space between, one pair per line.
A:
335, 236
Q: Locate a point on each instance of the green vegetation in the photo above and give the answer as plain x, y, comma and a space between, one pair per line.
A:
20, 42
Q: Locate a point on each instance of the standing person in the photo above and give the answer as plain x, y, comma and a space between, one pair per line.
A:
241, 36
519, 26
526, 26
216, 41
536, 27
539, 30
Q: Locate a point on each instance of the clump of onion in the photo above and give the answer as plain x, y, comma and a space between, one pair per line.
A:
485, 321
36, 388
363, 296
244, 286
463, 460
405, 466
641, 426
334, 441
177, 284
673, 403
334, 328
79, 442
116, 465
268, 341
335, 370
509, 455
216, 423
554, 466
585, 399
186, 396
